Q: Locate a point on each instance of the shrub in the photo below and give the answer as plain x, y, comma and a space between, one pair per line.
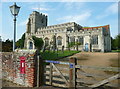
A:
71, 44
38, 42
20, 42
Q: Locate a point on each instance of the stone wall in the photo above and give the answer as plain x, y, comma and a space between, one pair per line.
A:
11, 67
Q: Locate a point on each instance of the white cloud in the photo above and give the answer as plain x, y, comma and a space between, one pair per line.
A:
40, 6
82, 18
40, 9
23, 23
112, 9
74, 5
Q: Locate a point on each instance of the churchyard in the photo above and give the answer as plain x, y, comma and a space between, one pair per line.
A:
63, 55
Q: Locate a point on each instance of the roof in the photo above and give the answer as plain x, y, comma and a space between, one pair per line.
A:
106, 27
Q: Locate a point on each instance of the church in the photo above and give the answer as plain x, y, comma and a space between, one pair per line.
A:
91, 39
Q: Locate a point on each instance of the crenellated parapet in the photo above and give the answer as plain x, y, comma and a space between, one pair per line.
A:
64, 25
37, 14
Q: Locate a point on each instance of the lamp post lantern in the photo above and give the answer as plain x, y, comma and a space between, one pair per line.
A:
14, 10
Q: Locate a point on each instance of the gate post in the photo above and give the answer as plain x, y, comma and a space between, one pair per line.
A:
40, 71
72, 73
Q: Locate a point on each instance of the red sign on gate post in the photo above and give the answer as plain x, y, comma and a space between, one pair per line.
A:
22, 64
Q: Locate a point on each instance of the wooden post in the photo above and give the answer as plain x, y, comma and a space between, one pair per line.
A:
50, 77
72, 73
40, 71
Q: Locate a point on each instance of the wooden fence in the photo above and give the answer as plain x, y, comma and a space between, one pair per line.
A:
70, 75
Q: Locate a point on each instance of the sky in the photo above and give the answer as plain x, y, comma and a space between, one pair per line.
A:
89, 14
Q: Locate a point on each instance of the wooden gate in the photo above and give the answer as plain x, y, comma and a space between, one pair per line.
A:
60, 74
73, 76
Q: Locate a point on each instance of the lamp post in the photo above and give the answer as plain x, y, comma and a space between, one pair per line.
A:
14, 10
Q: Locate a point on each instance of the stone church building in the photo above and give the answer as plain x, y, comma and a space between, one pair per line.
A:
90, 38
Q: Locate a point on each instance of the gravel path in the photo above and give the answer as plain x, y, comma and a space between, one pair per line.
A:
95, 58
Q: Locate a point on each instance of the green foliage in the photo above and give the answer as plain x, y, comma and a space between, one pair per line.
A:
77, 43
112, 44
115, 42
38, 42
7, 46
20, 42
115, 50
71, 44
49, 55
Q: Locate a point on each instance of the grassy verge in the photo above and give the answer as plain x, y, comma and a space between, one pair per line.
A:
56, 55
115, 50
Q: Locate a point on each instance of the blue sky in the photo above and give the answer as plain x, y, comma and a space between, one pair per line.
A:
83, 13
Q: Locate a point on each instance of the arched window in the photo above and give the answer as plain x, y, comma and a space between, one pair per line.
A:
30, 45
81, 40
94, 39
59, 40
72, 39
46, 41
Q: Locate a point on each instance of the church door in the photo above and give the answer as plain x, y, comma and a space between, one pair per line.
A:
86, 47
30, 45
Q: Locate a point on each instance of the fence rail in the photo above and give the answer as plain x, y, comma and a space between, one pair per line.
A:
69, 74
99, 68
105, 81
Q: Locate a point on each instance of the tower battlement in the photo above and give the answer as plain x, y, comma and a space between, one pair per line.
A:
36, 20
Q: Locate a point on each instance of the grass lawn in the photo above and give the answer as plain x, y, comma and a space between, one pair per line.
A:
115, 50
56, 55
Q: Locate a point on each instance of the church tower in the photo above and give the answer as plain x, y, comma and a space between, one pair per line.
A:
35, 21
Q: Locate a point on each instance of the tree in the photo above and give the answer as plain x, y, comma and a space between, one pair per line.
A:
7, 46
73, 44
54, 43
38, 42
115, 43
20, 42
